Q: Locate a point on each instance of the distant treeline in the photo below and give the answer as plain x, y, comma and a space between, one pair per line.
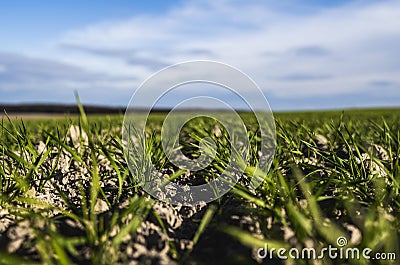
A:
58, 109
67, 109
73, 109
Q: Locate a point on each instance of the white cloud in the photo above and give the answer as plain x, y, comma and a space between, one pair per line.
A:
349, 43
3, 69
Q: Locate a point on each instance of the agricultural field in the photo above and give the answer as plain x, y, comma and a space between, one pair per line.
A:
68, 197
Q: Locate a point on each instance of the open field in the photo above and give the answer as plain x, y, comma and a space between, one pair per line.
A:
67, 196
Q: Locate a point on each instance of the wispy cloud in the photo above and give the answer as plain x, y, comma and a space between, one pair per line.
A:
311, 51
3, 69
298, 77
33, 79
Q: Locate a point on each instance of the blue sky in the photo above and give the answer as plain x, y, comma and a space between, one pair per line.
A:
303, 54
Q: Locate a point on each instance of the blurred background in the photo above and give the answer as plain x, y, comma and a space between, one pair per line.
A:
304, 55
